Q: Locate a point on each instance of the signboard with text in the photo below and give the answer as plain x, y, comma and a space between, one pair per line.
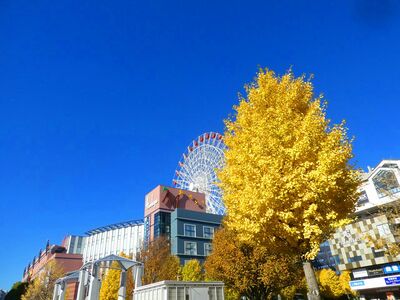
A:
393, 280
378, 282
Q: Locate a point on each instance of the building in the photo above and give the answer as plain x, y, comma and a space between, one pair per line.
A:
2, 294
180, 290
375, 274
181, 216
126, 237
325, 259
192, 233
68, 261
74, 244
161, 202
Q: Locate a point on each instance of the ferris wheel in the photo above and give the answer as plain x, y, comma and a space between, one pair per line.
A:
197, 170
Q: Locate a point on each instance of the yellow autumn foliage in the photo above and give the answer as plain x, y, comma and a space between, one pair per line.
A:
287, 182
42, 287
192, 271
248, 270
344, 279
111, 282
330, 285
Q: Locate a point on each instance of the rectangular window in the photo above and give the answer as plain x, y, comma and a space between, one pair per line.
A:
383, 229
355, 258
207, 249
190, 248
162, 223
378, 253
190, 230
208, 232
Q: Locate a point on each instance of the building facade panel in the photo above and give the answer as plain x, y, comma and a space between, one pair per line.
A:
160, 202
192, 233
362, 246
126, 237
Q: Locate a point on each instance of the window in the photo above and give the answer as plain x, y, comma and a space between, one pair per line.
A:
378, 253
208, 232
354, 258
363, 199
207, 249
386, 183
190, 248
390, 166
162, 223
383, 229
190, 230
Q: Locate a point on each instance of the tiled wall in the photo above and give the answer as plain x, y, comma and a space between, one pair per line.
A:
351, 246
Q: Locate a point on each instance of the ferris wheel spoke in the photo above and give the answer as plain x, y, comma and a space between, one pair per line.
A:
197, 170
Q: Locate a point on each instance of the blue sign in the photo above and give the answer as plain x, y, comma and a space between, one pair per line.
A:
357, 283
391, 269
392, 280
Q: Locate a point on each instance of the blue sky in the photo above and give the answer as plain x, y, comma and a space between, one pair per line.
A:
98, 99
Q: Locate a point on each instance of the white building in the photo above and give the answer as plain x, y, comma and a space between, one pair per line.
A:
74, 244
126, 237
375, 274
380, 185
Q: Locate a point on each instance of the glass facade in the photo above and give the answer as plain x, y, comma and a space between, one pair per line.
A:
386, 183
146, 230
162, 224
325, 259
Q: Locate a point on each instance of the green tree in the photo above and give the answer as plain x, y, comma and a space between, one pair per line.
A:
289, 167
158, 262
42, 287
192, 271
248, 270
16, 291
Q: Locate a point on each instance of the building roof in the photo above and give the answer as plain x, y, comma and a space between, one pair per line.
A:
115, 226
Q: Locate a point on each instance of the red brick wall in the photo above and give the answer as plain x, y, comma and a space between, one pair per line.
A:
68, 262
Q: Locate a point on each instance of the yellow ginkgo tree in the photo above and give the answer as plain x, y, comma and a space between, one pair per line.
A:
111, 282
287, 182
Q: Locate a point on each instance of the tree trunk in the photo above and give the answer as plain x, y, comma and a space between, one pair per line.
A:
312, 284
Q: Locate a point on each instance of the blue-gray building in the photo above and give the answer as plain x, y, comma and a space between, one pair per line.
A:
192, 233
325, 259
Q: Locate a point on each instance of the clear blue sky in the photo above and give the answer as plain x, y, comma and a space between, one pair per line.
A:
98, 99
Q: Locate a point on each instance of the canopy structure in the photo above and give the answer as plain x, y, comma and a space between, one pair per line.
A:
123, 263
72, 276
90, 283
